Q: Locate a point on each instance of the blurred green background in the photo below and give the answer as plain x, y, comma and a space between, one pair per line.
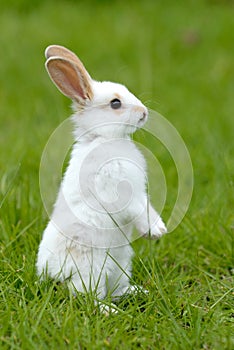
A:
178, 58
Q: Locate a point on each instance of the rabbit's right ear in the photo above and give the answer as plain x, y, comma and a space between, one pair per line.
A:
60, 51
71, 78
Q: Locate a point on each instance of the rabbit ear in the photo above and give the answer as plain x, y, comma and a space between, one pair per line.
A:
70, 77
60, 51
63, 52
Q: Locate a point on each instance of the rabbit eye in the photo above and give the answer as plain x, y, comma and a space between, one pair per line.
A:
116, 103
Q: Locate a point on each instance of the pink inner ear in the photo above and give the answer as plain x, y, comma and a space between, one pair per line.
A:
74, 81
67, 78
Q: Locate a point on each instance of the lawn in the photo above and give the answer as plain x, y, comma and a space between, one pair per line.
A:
177, 57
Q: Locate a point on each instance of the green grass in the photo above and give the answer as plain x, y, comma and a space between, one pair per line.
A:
178, 58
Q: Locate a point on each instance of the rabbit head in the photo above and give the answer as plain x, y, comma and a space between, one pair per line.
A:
103, 109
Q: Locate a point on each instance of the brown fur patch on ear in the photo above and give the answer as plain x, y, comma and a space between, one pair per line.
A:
89, 92
61, 51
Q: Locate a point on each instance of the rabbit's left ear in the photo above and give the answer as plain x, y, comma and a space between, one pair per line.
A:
71, 78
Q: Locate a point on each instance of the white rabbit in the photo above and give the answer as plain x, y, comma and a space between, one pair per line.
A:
103, 192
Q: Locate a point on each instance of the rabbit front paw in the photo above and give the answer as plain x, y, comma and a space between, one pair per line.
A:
156, 230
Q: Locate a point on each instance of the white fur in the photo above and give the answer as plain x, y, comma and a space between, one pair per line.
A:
101, 198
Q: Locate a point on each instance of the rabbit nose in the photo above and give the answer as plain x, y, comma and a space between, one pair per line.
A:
142, 112
144, 115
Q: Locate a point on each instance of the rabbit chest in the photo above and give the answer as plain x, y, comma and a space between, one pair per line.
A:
105, 175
